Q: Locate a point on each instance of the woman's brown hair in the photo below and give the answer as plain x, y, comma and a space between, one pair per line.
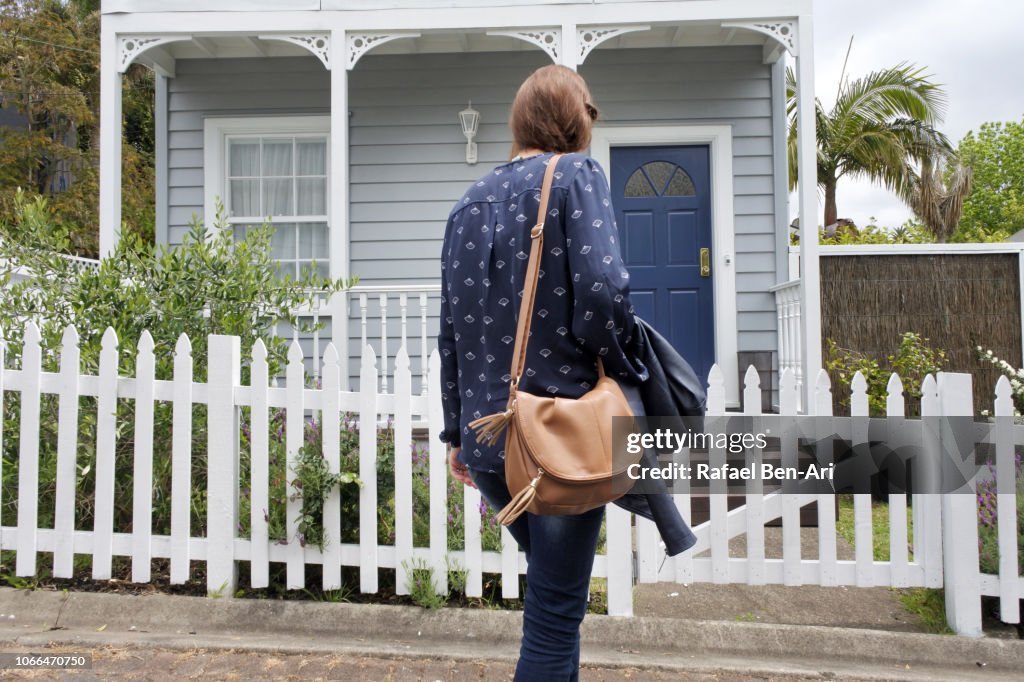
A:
552, 111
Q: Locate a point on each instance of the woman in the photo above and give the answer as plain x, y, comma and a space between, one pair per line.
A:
582, 312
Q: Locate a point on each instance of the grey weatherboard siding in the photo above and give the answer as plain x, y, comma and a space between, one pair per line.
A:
408, 154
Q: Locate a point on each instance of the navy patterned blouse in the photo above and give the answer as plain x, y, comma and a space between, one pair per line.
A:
582, 308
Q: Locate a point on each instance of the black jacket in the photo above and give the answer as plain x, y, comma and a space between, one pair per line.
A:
672, 389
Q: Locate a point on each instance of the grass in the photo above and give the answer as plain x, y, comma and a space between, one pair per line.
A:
926, 603
598, 602
929, 605
845, 526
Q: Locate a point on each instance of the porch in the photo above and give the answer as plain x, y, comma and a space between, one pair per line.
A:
380, 90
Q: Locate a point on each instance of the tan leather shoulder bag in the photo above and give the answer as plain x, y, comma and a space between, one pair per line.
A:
558, 451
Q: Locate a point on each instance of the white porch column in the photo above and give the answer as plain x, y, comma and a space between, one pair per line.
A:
339, 197
110, 140
807, 146
570, 47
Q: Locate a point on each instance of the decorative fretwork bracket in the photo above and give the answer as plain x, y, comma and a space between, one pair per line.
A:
782, 31
131, 46
547, 39
358, 44
317, 43
589, 37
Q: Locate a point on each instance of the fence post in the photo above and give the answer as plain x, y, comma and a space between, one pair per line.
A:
959, 519
437, 466
619, 560
223, 375
330, 420
928, 507
295, 426
368, 387
181, 463
28, 455
1010, 587
142, 471
106, 443
403, 471
67, 449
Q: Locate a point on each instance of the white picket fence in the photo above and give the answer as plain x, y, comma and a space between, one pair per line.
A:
938, 520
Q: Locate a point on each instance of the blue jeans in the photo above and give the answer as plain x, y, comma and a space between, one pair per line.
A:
560, 557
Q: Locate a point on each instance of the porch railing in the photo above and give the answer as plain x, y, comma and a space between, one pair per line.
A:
787, 308
402, 315
385, 317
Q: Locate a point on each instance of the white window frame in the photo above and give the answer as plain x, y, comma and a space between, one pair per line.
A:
217, 133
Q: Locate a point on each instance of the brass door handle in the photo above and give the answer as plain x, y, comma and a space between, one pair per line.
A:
705, 262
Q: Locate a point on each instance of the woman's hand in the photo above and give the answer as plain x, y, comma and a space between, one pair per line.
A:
460, 472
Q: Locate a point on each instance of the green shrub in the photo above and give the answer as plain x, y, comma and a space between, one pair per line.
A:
913, 360
208, 285
1014, 375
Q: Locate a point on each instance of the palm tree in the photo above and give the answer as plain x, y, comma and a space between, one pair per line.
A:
937, 194
880, 127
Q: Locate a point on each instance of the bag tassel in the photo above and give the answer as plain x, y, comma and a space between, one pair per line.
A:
490, 427
514, 509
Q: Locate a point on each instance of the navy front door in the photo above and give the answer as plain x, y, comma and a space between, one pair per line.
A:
662, 202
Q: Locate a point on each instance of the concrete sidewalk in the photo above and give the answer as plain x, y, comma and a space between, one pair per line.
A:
643, 643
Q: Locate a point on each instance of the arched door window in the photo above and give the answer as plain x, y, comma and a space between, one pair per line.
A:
659, 179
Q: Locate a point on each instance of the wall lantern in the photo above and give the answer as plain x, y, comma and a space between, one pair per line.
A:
470, 120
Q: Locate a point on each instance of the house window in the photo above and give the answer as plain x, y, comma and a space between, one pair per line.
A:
276, 170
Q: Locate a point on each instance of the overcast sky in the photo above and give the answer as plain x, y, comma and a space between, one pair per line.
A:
974, 47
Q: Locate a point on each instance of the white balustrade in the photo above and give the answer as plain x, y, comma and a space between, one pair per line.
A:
787, 308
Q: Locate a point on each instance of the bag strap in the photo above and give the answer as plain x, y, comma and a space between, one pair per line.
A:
532, 275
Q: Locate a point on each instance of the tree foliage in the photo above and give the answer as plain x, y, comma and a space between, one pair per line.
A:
49, 75
208, 285
936, 194
880, 126
913, 360
995, 207
910, 232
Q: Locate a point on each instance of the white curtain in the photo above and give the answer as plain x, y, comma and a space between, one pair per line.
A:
278, 170
244, 171
292, 174
311, 183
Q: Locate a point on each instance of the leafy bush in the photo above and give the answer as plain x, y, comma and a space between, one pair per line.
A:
910, 232
311, 483
1016, 377
988, 530
913, 360
208, 285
